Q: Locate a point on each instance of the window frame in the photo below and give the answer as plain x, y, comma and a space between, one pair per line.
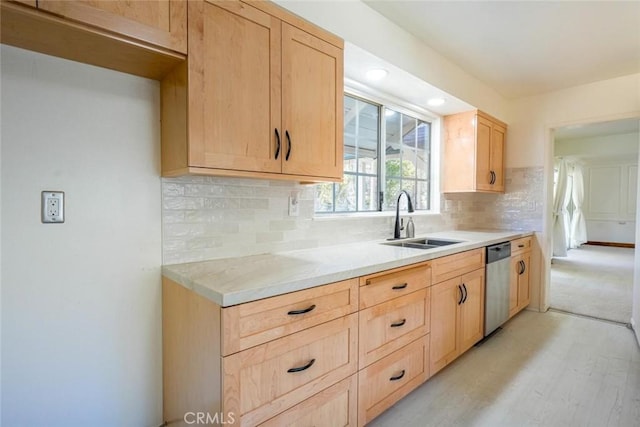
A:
385, 101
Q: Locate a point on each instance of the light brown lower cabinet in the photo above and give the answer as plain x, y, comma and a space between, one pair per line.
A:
519, 293
388, 380
328, 356
457, 308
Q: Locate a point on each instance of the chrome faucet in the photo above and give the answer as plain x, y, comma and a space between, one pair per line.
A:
396, 232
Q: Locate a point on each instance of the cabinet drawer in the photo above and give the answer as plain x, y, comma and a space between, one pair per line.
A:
257, 322
387, 327
333, 407
390, 379
519, 246
263, 381
451, 266
381, 287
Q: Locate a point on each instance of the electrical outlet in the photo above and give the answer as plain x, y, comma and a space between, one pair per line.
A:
294, 207
52, 207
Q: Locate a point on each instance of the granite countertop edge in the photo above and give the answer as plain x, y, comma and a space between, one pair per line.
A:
232, 281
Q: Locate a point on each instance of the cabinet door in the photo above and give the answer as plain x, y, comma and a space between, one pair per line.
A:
513, 284
159, 22
483, 154
234, 101
523, 281
445, 299
497, 156
312, 110
471, 323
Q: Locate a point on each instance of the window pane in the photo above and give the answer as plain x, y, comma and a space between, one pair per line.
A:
368, 135
346, 194
324, 198
350, 153
423, 164
391, 192
393, 136
422, 196
367, 193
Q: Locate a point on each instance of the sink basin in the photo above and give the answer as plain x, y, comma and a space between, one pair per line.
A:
422, 243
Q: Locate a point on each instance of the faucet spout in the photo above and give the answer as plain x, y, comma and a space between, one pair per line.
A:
396, 232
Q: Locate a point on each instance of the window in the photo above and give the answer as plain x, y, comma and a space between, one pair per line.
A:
385, 151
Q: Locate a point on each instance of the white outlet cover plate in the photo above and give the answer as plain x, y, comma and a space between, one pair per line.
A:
52, 207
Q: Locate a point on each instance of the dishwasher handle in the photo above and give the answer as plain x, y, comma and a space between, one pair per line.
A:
498, 252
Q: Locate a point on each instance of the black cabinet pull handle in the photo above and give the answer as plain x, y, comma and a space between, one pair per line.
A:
398, 287
303, 311
461, 295
277, 143
398, 324
398, 377
521, 246
465, 293
523, 267
493, 178
302, 368
286, 133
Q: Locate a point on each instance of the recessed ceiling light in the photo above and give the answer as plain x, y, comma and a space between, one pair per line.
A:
376, 74
435, 102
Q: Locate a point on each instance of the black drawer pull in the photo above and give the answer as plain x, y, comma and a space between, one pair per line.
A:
398, 324
398, 287
302, 368
277, 143
398, 377
521, 246
303, 311
286, 133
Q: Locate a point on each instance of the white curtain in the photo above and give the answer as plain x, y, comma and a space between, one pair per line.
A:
565, 207
559, 212
578, 224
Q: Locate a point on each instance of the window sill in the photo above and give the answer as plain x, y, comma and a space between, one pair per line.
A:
360, 215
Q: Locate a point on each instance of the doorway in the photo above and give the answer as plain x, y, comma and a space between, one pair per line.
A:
594, 275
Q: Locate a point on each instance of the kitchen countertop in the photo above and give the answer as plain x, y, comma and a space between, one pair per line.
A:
232, 281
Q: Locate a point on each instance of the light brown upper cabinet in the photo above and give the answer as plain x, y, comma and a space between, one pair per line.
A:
473, 153
158, 22
261, 95
147, 38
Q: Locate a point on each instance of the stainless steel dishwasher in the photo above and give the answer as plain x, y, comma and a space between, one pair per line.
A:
496, 308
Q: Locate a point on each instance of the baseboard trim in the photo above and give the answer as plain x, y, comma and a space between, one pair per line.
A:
614, 244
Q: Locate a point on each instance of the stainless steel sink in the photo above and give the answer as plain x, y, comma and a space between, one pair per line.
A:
422, 243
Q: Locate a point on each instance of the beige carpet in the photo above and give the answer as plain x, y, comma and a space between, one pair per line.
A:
595, 281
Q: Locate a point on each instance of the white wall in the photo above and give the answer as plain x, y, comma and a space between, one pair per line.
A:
608, 146
610, 200
81, 313
635, 315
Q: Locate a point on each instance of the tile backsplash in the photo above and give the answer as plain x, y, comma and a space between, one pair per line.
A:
210, 217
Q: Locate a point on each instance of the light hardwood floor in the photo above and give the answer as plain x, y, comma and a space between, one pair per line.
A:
595, 281
541, 369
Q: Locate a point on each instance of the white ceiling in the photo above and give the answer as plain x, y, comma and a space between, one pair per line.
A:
399, 85
522, 48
